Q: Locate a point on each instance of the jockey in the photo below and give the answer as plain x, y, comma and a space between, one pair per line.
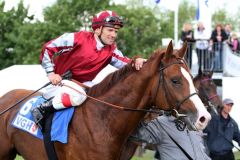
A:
85, 54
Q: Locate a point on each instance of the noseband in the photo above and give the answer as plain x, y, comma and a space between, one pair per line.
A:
161, 78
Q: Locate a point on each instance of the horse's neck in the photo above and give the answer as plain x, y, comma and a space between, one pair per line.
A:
124, 94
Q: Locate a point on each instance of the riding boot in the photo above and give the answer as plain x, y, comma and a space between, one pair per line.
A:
40, 112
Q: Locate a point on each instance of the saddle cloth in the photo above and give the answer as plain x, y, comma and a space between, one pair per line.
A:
59, 130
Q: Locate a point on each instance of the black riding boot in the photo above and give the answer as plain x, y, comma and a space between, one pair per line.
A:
40, 112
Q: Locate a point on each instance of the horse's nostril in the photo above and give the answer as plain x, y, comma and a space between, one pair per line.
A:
202, 119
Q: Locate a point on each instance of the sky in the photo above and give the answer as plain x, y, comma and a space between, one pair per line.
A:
36, 6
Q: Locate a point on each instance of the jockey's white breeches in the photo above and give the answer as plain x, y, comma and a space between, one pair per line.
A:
70, 93
66, 95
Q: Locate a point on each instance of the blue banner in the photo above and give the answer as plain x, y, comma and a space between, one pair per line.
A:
157, 1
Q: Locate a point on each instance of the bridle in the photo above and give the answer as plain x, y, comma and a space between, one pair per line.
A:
162, 79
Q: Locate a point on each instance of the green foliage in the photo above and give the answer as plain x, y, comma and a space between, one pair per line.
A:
10, 24
141, 35
187, 13
221, 17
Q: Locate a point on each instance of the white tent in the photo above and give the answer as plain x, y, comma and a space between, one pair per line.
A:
30, 77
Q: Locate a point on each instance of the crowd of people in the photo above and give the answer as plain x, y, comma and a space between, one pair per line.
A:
209, 46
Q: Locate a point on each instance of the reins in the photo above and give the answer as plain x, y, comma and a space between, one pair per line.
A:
116, 106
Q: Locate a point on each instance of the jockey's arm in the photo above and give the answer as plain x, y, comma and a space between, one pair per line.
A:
118, 60
57, 46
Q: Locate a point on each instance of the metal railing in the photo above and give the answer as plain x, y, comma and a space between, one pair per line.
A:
210, 57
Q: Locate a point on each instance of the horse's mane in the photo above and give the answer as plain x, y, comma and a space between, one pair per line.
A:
110, 80
117, 76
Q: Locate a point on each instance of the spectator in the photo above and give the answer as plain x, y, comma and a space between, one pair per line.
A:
187, 35
228, 31
217, 38
234, 43
201, 36
221, 130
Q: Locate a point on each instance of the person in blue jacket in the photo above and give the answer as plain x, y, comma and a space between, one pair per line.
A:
221, 131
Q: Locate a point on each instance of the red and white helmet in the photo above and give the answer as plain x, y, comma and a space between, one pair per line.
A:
106, 18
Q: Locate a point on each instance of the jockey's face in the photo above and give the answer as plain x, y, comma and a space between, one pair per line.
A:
109, 35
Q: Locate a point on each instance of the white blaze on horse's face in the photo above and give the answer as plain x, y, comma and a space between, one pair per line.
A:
203, 115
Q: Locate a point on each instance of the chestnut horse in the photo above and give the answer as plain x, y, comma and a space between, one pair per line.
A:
207, 91
99, 131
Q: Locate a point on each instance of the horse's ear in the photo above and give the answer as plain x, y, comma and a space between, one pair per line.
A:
210, 74
200, 71
169, 50
183, 50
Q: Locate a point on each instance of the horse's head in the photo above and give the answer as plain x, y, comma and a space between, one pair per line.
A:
207, 91
173, 88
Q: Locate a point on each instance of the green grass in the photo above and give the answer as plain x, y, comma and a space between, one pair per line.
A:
18, 158
237, 155
148, 155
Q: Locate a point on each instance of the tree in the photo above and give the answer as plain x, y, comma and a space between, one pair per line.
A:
140, 34
221, 17
10, 24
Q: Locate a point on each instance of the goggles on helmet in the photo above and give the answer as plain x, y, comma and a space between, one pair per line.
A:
110, 21
113, 19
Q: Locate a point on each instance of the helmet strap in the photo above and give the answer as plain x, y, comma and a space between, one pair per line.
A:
99, 37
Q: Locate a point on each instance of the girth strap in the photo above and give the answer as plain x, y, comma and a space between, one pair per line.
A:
48, 144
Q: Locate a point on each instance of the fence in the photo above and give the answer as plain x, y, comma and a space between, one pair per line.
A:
210, 57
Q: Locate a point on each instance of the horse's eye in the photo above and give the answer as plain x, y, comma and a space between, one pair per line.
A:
175, 81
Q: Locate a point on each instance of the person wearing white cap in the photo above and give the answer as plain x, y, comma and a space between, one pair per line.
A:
221, 131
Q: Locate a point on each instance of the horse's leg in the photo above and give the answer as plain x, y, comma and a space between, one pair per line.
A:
12, 140
7, 150
128, 150
27, 145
